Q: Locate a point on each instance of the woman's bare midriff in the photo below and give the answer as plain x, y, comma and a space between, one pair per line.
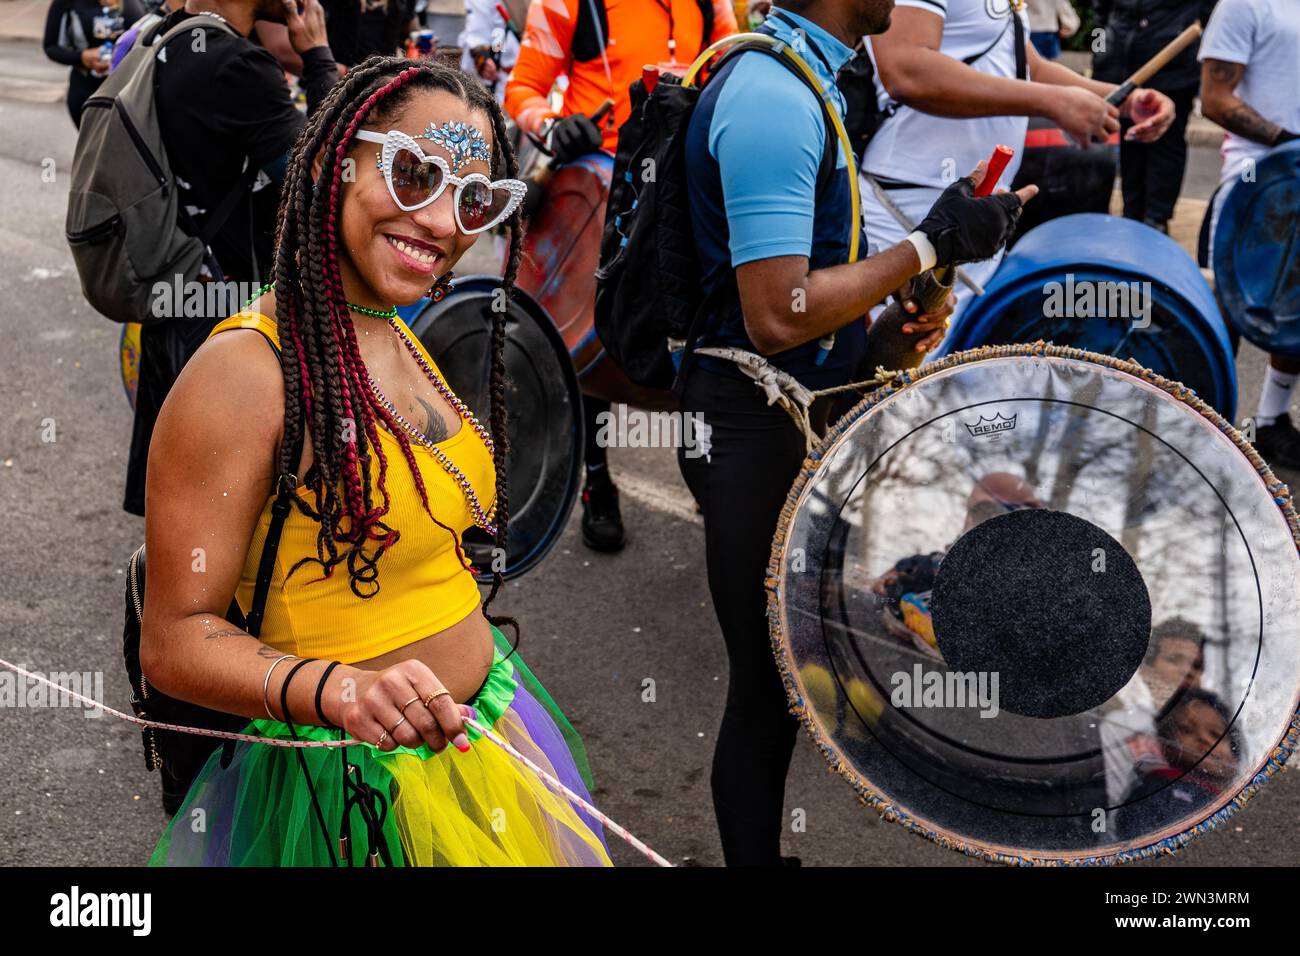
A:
460, 656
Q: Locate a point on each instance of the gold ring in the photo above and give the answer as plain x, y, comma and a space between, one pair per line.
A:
435, 695
382, 738
402, 711
396, 725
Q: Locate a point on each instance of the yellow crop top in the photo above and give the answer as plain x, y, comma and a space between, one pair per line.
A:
423, 587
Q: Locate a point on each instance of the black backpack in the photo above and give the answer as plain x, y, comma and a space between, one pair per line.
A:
126, 224
180, 756
649, 301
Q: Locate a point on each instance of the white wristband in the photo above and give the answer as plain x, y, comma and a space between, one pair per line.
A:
924, 250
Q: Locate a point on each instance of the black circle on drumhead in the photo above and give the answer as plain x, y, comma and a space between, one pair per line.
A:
543, 404
1049, 603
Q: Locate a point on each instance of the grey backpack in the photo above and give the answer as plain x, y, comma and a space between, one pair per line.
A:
125, 223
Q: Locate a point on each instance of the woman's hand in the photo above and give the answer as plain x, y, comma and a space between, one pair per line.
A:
405, 704
91, 59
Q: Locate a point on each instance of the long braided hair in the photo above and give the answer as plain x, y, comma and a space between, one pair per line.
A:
326, 384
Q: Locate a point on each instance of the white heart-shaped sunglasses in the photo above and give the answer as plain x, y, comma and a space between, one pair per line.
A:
415, 180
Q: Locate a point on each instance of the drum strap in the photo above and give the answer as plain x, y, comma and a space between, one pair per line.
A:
783, 389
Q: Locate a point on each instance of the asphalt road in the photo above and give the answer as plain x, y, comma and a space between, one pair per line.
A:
74, 790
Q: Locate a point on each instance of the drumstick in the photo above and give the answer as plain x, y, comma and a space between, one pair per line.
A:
1154, 65
997, 164
934, 286
542, 174
510, 24
602, 111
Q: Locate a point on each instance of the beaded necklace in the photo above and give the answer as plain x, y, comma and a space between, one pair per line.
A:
378, 314
482, 519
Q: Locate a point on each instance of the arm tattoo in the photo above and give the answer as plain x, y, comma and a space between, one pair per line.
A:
231, 632
1244, 121
433, 428
1225, 73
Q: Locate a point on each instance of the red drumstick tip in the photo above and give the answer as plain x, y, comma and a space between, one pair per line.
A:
997, 164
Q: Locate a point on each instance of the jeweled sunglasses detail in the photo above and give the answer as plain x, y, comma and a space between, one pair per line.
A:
415, 180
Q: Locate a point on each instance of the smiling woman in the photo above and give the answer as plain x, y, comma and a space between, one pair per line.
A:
370, 604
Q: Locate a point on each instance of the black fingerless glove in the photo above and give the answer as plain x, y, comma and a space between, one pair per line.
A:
575, 136
1286, 136
963, 228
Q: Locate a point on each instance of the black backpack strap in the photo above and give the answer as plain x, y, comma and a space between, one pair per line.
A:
285, 485
706, 13
217, 218
222, 211
590, 31
1022, 60
1022, 63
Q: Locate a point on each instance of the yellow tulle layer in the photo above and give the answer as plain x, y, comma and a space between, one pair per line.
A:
485, 808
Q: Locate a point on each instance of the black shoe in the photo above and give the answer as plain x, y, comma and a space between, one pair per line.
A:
602, 522
1279, 443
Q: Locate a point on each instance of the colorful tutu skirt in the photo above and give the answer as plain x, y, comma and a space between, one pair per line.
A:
409, 807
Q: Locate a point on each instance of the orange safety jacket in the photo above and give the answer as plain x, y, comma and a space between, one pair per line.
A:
638, 36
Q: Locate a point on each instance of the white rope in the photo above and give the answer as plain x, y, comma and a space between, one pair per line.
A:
551, 782
783, 389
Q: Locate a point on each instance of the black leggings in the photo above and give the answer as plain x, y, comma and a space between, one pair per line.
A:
754, 456
80, 87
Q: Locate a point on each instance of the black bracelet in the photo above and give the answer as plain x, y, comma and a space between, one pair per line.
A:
320, 689
284, 690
